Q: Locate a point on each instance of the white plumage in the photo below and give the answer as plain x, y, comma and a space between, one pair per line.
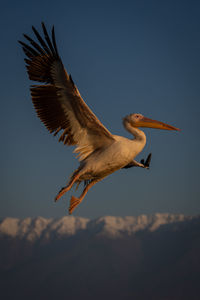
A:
60, 107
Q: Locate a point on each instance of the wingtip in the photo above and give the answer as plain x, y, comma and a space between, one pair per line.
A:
43, 25
70, 77
53, 32
34, 30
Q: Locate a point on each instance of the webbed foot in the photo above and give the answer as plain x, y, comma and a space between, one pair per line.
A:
61, 193
74, 202
146, 163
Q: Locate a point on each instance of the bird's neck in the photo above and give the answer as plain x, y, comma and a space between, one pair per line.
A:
136, 132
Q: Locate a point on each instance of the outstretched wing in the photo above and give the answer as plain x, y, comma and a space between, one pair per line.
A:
57, 101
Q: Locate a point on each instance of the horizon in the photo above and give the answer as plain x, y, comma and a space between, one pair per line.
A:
32, 229
104, 216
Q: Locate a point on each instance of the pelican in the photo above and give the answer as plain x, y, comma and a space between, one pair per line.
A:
61, 108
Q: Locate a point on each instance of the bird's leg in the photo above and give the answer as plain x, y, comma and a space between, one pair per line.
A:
74, 202
65, 189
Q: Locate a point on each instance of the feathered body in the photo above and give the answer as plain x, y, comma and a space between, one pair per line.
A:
105, 161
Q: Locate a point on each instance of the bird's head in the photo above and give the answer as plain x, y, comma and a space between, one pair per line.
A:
138, 120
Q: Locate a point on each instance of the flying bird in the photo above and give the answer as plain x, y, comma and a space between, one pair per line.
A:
61, 108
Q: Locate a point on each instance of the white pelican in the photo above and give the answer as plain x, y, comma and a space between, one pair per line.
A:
61, 108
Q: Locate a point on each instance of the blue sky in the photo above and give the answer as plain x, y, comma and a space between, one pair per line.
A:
125, 57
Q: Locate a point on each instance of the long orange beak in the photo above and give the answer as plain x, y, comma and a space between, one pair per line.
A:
146, 122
